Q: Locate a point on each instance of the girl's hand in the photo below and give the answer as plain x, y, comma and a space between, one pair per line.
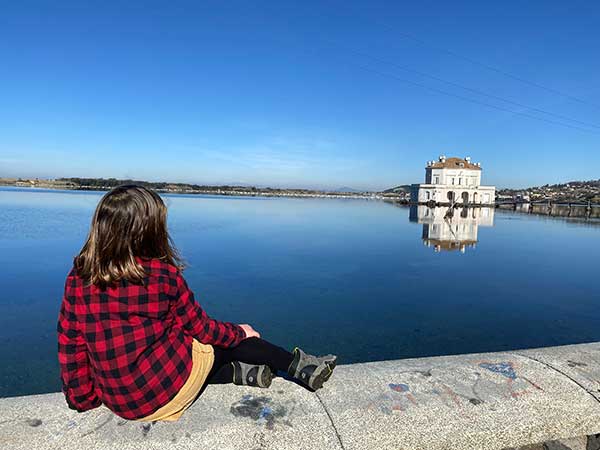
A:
250, 332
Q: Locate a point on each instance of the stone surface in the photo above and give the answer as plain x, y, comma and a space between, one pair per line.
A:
480, 401
225, 417
468, 401
579, 362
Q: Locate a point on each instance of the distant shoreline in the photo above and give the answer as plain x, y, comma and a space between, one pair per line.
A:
226, 191
576, 191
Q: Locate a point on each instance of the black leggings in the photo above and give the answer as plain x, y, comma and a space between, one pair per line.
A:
252, 351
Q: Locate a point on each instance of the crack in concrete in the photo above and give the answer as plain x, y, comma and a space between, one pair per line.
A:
560, 372
335, 430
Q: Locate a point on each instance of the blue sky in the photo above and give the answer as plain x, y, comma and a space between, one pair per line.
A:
317, 94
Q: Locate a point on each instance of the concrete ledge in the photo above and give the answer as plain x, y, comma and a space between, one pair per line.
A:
479, 401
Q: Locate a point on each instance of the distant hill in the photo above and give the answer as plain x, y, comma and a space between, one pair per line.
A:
404, 188
346, 189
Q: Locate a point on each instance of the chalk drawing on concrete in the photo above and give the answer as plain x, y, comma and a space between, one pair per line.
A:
263, 410
399, 397
399, 387
463, 391
503, 368
451, 394
401, 402
509, 371
395, 397
454, 399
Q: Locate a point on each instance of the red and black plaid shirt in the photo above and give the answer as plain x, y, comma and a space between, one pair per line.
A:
129, 346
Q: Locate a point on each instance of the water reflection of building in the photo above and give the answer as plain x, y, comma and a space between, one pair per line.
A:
453, 180
448, 229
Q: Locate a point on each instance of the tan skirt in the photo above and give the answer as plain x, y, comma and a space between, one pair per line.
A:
203, 357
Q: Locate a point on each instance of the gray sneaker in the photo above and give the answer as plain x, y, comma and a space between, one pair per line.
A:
312, 371
251, 375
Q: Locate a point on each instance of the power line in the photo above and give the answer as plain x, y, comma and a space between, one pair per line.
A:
467, 99
467, 88
489, 67
471, 100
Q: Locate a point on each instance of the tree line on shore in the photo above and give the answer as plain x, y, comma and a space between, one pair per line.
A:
582, 191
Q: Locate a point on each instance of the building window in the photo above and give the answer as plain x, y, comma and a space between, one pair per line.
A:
452, 180
437, 180
427, 195
459, 181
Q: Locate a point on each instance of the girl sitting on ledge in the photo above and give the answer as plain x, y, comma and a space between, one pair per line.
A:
132, 337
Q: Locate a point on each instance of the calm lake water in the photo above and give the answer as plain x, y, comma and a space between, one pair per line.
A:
352, 277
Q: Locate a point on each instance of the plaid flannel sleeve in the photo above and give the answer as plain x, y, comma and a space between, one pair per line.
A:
199, 324
77, 383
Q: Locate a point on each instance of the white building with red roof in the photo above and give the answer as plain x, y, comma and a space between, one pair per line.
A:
453, 181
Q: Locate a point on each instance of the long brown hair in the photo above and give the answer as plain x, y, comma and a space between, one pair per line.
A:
130, 221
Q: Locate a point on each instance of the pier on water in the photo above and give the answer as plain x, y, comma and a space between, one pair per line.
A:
546, 208
559, 209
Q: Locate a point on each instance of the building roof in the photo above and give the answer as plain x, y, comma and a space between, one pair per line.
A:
453, 163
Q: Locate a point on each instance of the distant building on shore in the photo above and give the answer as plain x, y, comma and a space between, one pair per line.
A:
451, 181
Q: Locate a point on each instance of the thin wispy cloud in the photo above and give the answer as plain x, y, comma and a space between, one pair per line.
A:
280, 154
